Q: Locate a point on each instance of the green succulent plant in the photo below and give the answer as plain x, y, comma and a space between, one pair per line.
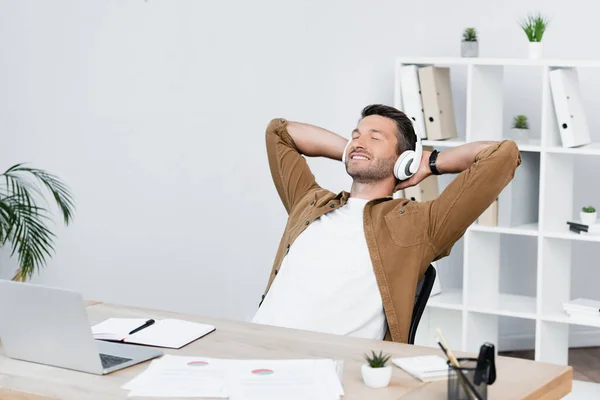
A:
588, 209
377, 360
520, 122
469, 35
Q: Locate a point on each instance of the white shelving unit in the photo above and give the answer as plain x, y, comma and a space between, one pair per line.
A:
536, 206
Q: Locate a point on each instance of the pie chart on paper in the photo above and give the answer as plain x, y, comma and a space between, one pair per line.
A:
263, 371
197, 363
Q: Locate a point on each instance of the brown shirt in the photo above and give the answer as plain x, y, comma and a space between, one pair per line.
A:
403, 236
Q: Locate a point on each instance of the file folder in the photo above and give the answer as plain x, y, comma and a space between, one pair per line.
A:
411, 98
568, 106
426, 190
436, 95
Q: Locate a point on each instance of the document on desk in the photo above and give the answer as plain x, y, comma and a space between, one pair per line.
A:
283, 379
175, 376
201, 377
169, 333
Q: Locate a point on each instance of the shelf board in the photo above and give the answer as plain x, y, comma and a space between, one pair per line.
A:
451, 299
588, 149
564, 318
532, 145
509, 305
525, 230
443, 143
568, 235
516, 62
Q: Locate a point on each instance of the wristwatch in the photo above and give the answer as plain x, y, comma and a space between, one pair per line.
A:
432, 160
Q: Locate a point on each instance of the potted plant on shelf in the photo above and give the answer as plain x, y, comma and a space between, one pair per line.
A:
375, 372
588, 215
534, 27
469, 45
520, 128
23, 219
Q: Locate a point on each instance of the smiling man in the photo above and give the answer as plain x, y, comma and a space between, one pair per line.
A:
349, 263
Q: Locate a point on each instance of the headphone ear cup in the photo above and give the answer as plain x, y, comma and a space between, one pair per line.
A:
402, 166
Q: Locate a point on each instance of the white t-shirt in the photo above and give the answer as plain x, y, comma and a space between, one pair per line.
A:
326, 282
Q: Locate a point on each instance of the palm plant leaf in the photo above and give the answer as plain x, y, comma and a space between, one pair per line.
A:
23, 222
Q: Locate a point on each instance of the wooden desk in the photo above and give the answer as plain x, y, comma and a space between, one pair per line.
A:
517, 379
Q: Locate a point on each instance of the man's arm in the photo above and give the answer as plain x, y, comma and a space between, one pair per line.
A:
287, 141
485, 169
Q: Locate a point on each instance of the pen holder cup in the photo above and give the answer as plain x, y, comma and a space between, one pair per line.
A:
461, 384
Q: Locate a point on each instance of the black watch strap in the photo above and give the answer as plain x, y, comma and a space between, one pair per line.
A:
432, 160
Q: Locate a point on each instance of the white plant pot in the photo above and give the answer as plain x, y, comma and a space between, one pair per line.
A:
469, 49
376, 377
588, 218
520, 135
535, 50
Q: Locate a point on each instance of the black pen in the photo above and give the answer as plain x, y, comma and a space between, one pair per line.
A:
146, 324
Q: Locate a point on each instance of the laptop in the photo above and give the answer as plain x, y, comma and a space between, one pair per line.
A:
50, 326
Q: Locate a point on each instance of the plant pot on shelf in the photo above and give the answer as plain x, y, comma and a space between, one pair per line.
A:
588, 218
469, 49
520, 135
535, 50
376, 377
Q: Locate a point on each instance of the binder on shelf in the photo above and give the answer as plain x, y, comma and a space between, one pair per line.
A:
426, 190
568, 106
411, 98
436, 95
490, 215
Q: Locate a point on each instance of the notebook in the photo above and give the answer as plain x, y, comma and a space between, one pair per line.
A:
424, 368
169, 333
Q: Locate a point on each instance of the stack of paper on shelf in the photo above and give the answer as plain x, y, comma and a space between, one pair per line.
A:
424, 368
583, 310
202, 377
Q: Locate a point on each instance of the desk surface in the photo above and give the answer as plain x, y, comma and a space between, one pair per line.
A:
517, 379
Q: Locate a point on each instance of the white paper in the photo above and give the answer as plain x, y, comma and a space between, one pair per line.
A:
425, 368
116, 328
283, 379
173, 376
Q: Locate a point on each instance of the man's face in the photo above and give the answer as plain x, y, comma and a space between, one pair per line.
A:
372, 154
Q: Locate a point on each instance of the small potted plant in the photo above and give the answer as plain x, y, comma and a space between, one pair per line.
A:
534, 27
520, 128
375, 372
588, 215
469, 46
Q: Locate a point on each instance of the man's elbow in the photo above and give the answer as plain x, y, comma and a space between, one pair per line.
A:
273, 126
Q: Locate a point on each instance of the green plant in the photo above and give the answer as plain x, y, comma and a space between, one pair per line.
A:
377, 360
23, 220
469, 35
534, 27
520, 122
588, 209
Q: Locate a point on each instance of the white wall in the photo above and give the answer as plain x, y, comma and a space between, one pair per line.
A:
154, 113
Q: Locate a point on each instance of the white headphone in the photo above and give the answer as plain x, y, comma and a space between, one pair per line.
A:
406, 165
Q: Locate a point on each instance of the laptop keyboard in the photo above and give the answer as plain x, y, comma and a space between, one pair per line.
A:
110, 361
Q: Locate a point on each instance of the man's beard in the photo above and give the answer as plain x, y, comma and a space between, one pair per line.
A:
378, 170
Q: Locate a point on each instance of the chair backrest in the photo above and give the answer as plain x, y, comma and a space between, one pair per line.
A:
421, 296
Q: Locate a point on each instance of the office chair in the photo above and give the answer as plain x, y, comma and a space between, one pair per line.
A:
421, 296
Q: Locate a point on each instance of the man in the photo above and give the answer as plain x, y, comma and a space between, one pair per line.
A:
349, 263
